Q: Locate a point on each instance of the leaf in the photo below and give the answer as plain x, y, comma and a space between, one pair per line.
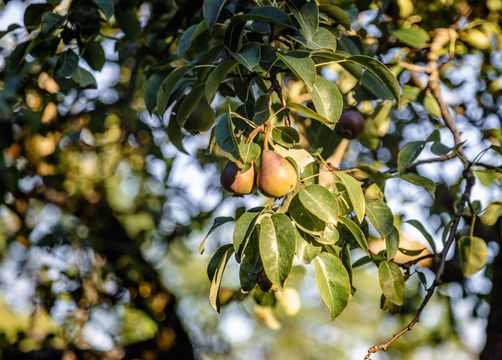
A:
188, 36
418, 225
323, 39
306, 250
380, 71
169, 85
33, 14
306, 112
249, 56
473, 253
94, 55
249, 152
66, 64
108, 7
189, 103
304, 219
333, 282
392, 244
218, 221
337, 14
216, 77
307, 15
310, 173
411, 252
215, 271
225, 137
362, 261
415, 36
150, 89
356, 232
277, 247
243, 230
327, 99
301, 65
251, 265
418, 180
50, 21
268, 14
128, 21
285, 136
391, 281
356, 195
83, 78
408, 154
329, 236
175, 135
211, 10
380, 217
319, 202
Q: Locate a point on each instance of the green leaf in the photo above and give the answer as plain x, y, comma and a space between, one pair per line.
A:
169, 85
128, 21
51, 21
216, 77
251, 265
392, 244
306, 112
333, 282
327, 99
285, 136
310, 173
175, 135
356, 195
323, 39
243, 229
301, 65
211, 10
108, 7
356, 231
215, 271
319, 202
473, 252
188, 36
189, 103
329, 236
408, 154
380, 217
418, 180
83, 78
33, 14
277, 247
218, 221
249, 152
380, 71
415, 36
337, 14
391, 281
150, 89
307, 15
362, 261
94, 55
249, 56
411, 252
67, 63
268, 14
306, 250
225, 137
418, 225
304, 219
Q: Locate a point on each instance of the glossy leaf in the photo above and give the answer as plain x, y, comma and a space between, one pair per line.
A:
215, 271
333, 282
218, 221
356, 195
408, 154
83, 78
319, 202
391, 282
285, 136
211, 10
277, 246
418, 225
380, 217
188, 36
306, 112
418, 180
67, 63
473, 252
327, 99
216, 77
249, 152
337, 14
355, 231
414, 36
301, 65
307, 15
243, 229
169, 85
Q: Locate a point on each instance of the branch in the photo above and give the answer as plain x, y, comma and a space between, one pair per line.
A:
469, 177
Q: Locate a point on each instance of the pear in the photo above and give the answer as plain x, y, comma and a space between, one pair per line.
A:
351, 124
276, 176
235, 180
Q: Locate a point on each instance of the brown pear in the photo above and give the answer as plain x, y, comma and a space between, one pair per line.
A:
236, 181
276, 176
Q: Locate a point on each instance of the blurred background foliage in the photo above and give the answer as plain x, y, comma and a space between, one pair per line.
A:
101, 215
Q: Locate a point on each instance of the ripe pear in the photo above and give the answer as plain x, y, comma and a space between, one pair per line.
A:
276, 176
351, 124
236, 181
201, 119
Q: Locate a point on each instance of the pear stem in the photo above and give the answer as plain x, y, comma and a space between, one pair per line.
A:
267, 129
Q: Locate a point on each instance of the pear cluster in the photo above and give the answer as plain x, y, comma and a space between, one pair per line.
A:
275, 178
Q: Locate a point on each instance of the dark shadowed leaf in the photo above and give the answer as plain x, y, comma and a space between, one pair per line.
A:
220, 220
211, 10
215, 271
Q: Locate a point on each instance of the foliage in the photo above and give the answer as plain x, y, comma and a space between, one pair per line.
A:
259, 76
